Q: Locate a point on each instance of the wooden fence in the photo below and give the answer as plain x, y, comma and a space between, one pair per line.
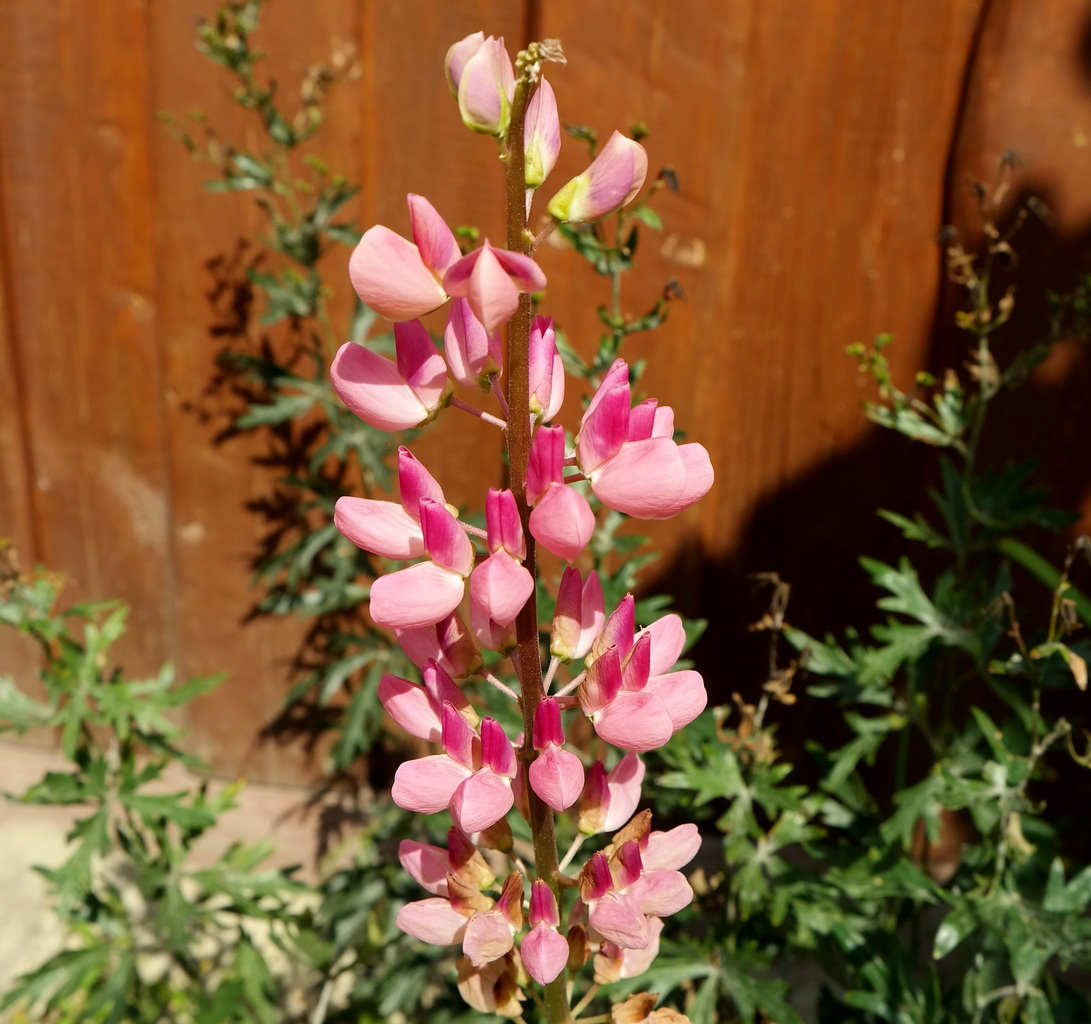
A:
819, 147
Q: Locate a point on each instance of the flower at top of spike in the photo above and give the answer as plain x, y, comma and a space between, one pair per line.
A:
482, 79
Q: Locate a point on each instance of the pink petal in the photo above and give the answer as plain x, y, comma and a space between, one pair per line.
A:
562, 521
496, 749
542, 136
434, 239
420, 364
544, 953
641, 419
504, 527
664, 422
389, 275
457, 56
643, 480
556, 775
604, 429
618, 918
488, 937
618, 631
445, 540
491, 293
671, 849
427, 865
434, 921
546, 464
415, 482
699, 479
485, 88
418, 596
602, 684
661, 893
523, 271
499, 587
427, 784
543, 905
460, 741
613, 179
635, 962
616, 377
381, 527
682, 693
668, 639
410, 707
374, 389
480, 801
547, 724
623, 791
634, 721
471, 352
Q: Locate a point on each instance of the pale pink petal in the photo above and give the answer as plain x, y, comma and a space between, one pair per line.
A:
634, 721
485, 88
661, 893
664, 422
613, 179
434, 921
618, 918
389, 275
616, 377
488, 937
415, 482
668, 639
562, 521
641, 419
525, 274
471, 352
427, 865
542, 136
556, 391
381, 527
434, 239
682, 693
635, 962
623, 791
503, 525
420, 364
544, 953
457, 56
556, 775
491, 293
409, 706
699, 479
499, 587
643, 479
374, 389
418, 596
426, 784
671, 849
481, 800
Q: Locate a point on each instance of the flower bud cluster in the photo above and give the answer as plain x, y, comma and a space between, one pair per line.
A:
621, 677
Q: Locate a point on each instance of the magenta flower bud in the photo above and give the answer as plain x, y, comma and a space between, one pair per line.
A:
505, 531
496, 749
613, 179
579, 615
561, 520
392, 395
542, 137
482, 74
610, 800
472, 353
448, 642
546, 371
547, 724
418, 709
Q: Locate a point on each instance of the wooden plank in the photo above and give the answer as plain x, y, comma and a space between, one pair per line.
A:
1027, 96
77, 228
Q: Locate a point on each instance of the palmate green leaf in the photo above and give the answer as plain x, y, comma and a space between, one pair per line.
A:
956, 926
918, 528
173, 807
922, 802
1070, 898
59, 977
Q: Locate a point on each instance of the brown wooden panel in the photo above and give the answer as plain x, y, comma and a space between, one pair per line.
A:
78, 227
1030, 96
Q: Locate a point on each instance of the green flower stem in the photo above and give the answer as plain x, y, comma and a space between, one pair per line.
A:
528, 659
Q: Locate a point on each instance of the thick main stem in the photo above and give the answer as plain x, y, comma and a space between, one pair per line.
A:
528, 659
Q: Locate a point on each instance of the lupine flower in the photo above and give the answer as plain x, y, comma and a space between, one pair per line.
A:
612, 962
494, 988
545, 370
579, 615
392, 395
429, 591
613, 179
399, 279
490, 280
430, 866
561, 520
542, 137
480, 75
641, 1009
447, 642
387, 528
556, 774
628, 693
491, 933
472, 353
630, 457
419, 709
544, 950
472, 777
500, 585
609, 800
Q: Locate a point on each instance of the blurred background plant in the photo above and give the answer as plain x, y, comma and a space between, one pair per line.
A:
919, 865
